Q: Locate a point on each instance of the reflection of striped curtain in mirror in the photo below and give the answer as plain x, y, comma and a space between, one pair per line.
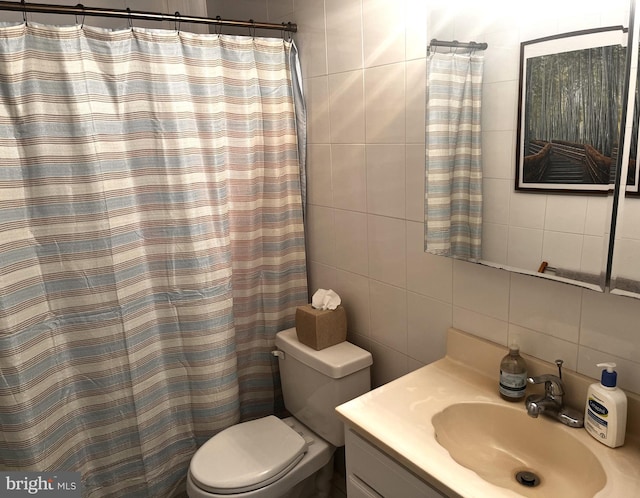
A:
453, 186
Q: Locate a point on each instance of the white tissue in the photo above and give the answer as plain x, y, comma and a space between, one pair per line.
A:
325, 300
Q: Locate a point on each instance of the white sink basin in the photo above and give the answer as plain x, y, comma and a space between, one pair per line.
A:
498, 441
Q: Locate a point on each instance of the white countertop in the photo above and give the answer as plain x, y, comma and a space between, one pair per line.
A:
396, 417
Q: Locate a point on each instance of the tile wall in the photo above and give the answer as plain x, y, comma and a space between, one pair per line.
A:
364, 68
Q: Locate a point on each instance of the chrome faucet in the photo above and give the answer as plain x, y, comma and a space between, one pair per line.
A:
551, 403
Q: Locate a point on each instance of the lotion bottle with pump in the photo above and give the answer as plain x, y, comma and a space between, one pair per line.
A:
605, 416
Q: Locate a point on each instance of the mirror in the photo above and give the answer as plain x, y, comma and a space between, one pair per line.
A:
522, 229
625, 265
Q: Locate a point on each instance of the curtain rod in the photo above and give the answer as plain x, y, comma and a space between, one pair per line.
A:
457, 44
81, 10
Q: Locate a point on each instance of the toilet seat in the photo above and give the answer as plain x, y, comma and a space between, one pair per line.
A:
247, 456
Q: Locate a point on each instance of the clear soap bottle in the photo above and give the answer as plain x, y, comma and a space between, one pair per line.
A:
513, 375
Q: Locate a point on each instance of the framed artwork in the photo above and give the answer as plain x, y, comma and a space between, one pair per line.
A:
571, 101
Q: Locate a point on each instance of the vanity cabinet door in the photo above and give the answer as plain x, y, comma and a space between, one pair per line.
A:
373, 474
358, 489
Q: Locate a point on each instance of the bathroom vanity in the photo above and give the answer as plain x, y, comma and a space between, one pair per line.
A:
396, 436
371, 473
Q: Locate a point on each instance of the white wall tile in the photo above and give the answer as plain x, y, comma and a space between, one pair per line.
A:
481, 289
415, 177
427, 324
311, 37
495, 239
625, 259
543, 346
491, 329
416, 29
320, 235
545, 306
609, 323
317, 101
566, 213
387, 253
498, 154
598, 215
386, 187
385, 103
440, 23
562, 250
349, 176
241, 10
346, 108
427, 274
628, 227
353, 289
415, 94
319, 175
503, 62
594, 255
279, 10
351, 242
495, 207
527, 211
388, 364
389, 315
344, 35
383, 32
232, 9
495, 115
320, 276
524, 249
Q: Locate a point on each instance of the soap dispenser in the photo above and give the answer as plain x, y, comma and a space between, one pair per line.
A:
605, 416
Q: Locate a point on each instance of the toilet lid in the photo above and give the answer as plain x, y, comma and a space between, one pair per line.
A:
247, 456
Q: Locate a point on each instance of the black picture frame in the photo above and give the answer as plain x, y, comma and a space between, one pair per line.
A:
571, 100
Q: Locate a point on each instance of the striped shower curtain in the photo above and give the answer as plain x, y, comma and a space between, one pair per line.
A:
151, 245
453, 183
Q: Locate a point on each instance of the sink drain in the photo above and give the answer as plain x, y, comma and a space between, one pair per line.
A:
526, 478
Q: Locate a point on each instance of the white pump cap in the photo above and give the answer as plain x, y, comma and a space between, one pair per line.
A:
609, 376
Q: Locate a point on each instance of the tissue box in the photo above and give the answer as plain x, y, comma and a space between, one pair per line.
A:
320, 329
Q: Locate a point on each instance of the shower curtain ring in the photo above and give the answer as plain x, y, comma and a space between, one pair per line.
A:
176, 23
252, 28
80, 6
290, 31
218, 27
130, 18
24, 12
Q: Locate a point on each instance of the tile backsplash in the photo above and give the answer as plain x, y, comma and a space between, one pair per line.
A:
364, 72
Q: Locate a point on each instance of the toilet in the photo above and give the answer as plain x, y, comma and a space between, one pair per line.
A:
291, 457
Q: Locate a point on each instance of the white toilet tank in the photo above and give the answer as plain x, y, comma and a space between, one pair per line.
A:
315, 382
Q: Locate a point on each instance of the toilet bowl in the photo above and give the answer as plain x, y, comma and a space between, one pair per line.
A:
276, 458
250, 472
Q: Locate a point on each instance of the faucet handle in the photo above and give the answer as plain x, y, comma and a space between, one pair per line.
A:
559, 364
553, 385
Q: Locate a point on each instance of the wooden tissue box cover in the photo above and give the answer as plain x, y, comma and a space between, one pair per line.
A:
320, 329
